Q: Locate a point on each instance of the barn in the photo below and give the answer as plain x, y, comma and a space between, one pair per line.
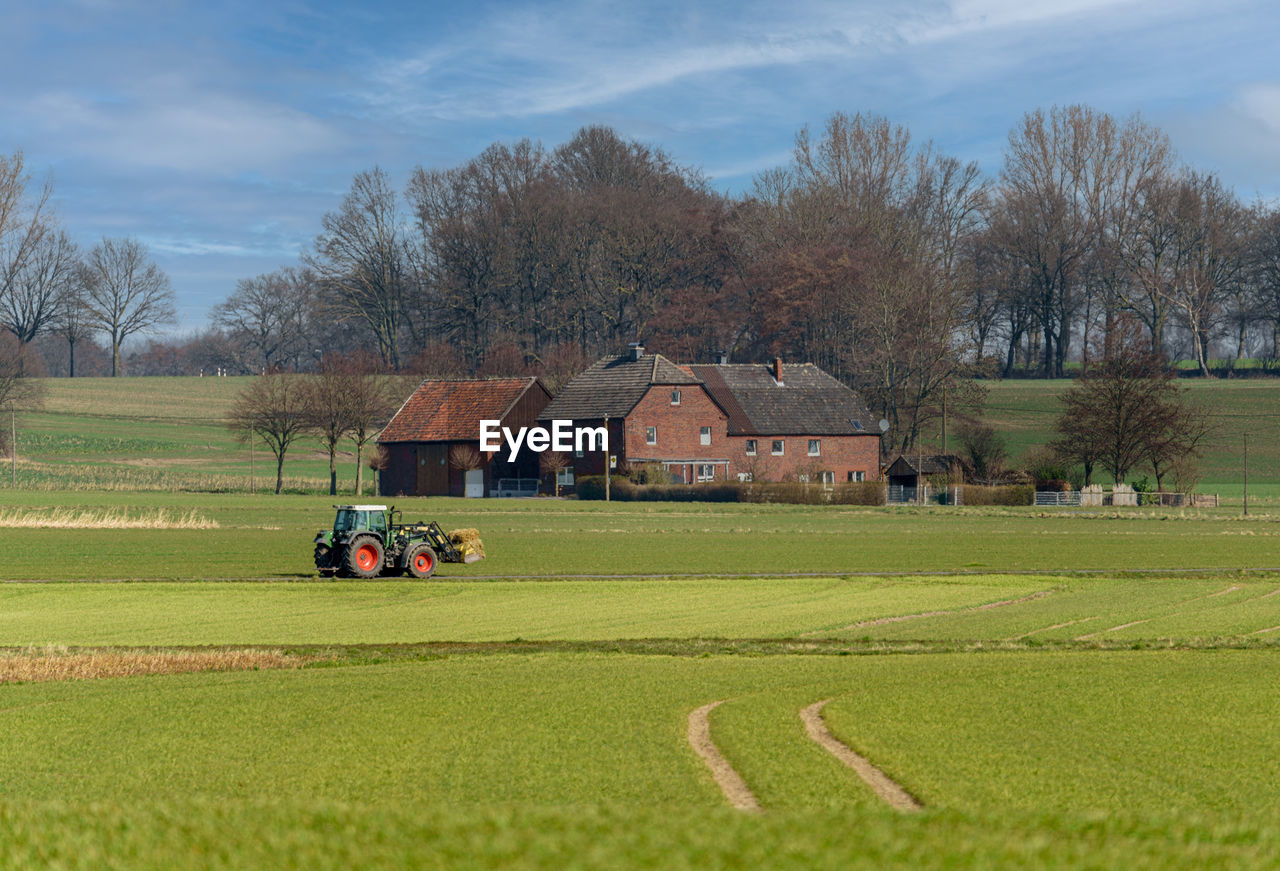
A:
432, 443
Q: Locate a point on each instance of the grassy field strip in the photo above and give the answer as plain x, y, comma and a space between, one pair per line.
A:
880, 783
268, 537
1046, 731
735, 789
1067, 731
398, 611
1053, 760
1098, 608
882, 621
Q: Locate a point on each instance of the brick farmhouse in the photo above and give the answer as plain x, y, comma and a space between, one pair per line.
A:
721, 421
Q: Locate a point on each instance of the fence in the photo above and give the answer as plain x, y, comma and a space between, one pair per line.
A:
1058, 498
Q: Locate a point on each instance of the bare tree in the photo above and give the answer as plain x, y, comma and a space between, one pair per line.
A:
48, 272
553, 463
24, 220
71, 318
1126, 410
1211, 244
361, 257
272, 407
18, 390
372, 398
1264, 269
269, 315
125, 293
327, 398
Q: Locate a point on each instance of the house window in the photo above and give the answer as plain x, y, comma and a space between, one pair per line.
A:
778, 447
650, 435
815, 447
751, 447
675, 397
564, 477
706, 472
857, 476
705, 435
746, 477
828, 480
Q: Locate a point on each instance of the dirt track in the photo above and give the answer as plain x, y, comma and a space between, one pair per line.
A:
735, 789
883, 785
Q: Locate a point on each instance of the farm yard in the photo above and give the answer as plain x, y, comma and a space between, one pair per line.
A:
1048, 688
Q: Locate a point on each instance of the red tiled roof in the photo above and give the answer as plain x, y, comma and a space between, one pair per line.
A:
441, 411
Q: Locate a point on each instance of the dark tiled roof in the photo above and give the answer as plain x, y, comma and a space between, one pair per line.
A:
808, 402
929, 464
613, 386
452, 410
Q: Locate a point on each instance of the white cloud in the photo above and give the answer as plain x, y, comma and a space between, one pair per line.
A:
175, 126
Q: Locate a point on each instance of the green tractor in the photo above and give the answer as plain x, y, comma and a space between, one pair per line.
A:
369, 540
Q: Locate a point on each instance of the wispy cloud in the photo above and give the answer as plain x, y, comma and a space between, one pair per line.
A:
178, 127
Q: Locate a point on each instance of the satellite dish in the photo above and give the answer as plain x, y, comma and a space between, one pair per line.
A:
884, 425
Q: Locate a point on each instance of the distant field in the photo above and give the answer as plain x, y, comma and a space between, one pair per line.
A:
169, 434
1025, 412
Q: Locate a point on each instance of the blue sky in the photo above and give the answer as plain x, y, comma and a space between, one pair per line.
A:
219, 133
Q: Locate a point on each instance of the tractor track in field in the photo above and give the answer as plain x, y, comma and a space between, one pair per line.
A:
884, 621
735, 789
883, 785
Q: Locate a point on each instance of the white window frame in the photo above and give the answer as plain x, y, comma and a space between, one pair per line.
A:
815, 447
705, 472
564, 477
751, 447
857, 477
828, 480
650, 435
675, 397
778, 448
704, 435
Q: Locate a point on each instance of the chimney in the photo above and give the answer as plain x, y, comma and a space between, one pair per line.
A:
637, 350
777, 370
722, 358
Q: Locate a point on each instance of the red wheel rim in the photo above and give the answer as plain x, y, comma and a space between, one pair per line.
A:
366, 557
422, 562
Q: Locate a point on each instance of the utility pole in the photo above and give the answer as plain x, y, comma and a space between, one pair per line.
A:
250, 461
608, 449
1246, 474
13, 444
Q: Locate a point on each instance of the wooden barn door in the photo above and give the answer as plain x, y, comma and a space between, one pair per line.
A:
433, 470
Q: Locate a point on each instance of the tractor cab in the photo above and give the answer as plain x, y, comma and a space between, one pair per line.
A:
360, 518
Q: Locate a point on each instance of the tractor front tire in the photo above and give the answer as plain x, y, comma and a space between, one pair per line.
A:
364, 557
421, 562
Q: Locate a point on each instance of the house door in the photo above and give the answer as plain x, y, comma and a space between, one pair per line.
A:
474, 486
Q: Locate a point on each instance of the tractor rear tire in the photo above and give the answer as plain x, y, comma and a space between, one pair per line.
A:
364, 557
421, 562
324, 560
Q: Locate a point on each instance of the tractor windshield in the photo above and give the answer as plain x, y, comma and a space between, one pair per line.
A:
346, 520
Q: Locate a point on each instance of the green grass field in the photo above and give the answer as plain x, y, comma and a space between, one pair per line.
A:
1059, 688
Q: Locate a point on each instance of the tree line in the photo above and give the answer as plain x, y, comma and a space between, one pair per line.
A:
902, 270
